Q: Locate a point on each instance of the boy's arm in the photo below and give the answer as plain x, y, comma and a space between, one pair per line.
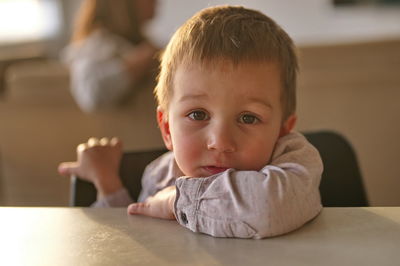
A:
158, 192
161, 205
248, 204
120, 198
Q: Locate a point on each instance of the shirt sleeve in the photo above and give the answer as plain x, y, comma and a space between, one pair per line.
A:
158, 175
120, 198
280, 198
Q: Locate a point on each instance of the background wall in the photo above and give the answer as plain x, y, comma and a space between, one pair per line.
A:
309, 22
354, 89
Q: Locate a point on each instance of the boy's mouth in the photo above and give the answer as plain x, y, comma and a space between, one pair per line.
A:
214, 169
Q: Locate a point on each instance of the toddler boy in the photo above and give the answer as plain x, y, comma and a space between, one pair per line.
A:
226, 110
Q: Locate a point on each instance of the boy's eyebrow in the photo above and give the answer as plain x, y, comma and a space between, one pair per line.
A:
260, 101
205, 96
192, 97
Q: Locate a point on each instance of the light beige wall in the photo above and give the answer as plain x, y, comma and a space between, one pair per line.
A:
355, 90
41, 127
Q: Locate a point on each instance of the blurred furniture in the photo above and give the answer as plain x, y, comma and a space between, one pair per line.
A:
108, 236
341, 183
15, 54
354, 89
41, 126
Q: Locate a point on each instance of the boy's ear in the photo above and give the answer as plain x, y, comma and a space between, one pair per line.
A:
288, 125
163, 124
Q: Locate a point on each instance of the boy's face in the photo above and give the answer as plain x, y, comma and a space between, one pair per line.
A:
222, 116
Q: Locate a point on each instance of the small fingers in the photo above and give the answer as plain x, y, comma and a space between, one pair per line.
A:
115, 141
138, 208
81, 147
68, 168
93, 142
104, 141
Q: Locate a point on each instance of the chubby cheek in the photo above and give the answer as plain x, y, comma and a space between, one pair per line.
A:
255, 158
257, 154
187, 150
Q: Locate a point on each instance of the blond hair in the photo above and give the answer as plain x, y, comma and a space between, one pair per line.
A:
230, 33
119, 17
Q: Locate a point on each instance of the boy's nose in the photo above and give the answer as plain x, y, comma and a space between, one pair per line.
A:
221, 139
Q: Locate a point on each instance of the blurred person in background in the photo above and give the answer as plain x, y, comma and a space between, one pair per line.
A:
109, 56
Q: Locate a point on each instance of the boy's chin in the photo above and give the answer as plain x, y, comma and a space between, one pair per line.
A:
207, 171
213, 170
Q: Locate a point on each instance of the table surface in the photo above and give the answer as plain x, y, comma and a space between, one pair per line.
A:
86, 236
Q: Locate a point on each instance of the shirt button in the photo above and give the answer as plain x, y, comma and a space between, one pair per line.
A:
184, 218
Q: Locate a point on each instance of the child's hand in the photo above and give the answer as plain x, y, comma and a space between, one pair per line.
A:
161, 205
98, 162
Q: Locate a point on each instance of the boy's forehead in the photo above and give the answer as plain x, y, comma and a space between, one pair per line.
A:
249, 79
226, 66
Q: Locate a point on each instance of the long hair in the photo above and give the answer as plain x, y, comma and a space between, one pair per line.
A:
119, 17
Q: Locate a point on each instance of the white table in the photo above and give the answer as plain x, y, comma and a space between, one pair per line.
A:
83, 236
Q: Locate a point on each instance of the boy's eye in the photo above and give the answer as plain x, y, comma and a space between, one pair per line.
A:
198, 115
248, 119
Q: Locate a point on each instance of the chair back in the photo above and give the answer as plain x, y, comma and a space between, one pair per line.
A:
341, 182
